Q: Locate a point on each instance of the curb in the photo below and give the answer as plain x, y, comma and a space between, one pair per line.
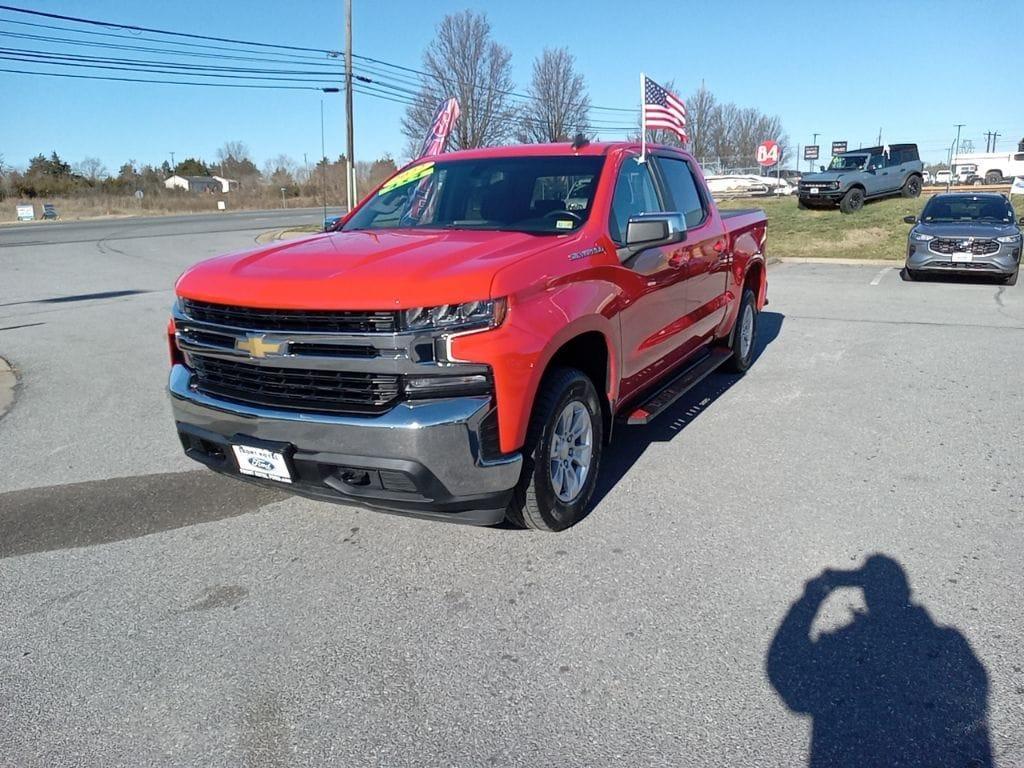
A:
8, 381
842, 262
285, 234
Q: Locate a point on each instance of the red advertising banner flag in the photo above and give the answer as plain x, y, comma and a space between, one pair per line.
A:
440, 128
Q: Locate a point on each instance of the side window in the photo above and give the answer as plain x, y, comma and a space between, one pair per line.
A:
634, 194
877, 161
683, 189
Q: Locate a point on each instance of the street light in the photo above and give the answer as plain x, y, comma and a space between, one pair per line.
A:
953, 154
323, 151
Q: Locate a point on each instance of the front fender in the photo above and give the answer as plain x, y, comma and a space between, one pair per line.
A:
536, 327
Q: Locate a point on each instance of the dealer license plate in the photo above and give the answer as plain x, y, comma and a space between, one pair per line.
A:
259, 462
961, 257
814, 190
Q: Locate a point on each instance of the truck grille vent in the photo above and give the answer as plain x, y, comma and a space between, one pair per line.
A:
292, 319
294, 388
952, 245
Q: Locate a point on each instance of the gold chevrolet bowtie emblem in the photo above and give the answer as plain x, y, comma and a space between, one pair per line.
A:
257, 346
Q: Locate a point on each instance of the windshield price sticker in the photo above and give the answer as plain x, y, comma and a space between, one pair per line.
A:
407, 176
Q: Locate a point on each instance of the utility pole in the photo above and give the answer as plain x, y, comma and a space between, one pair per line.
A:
172, 162
879, 136
953, 153
810, 163
323, 160
995, 137
350, 147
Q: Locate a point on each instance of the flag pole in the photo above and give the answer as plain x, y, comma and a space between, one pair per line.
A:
643, 124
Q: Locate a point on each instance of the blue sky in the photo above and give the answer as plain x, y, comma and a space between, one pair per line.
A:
841, 71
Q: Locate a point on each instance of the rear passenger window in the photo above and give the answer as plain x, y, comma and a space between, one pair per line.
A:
683, 189
634, 194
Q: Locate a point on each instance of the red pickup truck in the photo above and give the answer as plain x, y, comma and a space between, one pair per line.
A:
460, 346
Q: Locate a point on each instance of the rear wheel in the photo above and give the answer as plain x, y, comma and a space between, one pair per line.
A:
912, 187
852, 201
562, 454
744, 334
993, 177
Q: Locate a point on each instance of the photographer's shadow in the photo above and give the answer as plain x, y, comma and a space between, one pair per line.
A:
891, 688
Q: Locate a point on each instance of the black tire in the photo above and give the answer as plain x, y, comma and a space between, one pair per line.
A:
993, 177
911, 275
801, 205
1012, 279
912, 186
535, 502
743, 351
852, 201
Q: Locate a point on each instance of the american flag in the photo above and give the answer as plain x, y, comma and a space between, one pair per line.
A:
663, 109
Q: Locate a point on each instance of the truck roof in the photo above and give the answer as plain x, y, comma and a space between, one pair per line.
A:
545, 150
877, 150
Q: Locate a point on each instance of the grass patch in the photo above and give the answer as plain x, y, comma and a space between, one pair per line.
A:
877, 231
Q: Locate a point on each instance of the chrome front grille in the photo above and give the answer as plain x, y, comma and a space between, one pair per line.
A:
296, 388
297, 320
948, 245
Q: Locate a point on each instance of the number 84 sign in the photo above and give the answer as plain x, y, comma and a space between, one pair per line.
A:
768, 153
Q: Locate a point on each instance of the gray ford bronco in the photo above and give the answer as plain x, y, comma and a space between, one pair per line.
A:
864, 174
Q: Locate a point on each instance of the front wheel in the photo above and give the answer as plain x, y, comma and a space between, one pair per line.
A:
1012, 279
852, 201
744, 335
562, 454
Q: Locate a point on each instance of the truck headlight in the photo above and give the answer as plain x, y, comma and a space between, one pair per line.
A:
471, 314
921, 237
1008, 239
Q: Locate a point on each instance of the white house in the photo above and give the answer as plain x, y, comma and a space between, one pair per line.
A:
201, 183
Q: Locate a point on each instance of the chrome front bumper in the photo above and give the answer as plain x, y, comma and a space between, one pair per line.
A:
425, 458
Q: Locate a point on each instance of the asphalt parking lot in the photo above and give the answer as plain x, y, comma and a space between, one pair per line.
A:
152, 614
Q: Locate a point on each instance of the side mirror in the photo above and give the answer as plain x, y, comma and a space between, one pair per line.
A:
1021, 221
910, 219
822, 168
651, 229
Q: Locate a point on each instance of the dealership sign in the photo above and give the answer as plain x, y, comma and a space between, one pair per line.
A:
838, 147
811, 152
25, 212
768, 153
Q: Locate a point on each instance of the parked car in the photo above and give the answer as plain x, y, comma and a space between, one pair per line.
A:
943, 177
965, 172
864, 174
926, 177
965, 233
462, 345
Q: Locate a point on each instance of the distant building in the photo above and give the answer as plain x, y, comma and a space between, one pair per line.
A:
201, 183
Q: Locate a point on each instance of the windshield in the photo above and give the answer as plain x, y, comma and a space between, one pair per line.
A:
967, 208
848, 163
542, 195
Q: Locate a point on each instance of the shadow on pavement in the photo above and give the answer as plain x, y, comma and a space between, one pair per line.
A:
953, 278
629, 443
889, 688
105, 511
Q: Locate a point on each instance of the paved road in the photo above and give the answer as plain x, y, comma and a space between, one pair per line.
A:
155, 615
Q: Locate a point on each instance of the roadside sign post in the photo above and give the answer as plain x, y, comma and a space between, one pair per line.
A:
839, 147
768, 153
810, 155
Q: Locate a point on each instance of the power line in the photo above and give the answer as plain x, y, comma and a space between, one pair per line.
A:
250, 43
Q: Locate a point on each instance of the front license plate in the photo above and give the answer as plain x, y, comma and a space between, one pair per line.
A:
259, 462
961, 257
814, 190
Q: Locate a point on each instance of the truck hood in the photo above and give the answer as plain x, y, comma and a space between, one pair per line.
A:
966, 229
364, 269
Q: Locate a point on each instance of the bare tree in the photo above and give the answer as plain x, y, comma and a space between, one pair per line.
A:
91, 168
235, 162
701, 118
463, 61
559, 106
